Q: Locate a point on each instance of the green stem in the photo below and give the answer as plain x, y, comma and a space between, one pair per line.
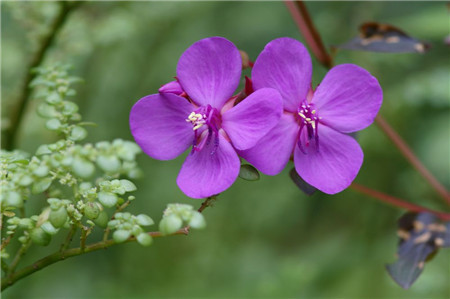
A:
18, 256
61, 255
16, 116
69, 238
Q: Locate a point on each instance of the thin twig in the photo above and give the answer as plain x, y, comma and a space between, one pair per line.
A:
17, 115
69, 237
18, 256
304, 23
409, 155
59, 256
397, 202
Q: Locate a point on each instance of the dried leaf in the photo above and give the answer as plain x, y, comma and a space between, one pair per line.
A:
376, 37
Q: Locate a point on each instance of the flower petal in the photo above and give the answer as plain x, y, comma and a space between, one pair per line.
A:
285, 65
158, 124
348, 99
247, 122
334, 166
209, 71
209, 171
271, 154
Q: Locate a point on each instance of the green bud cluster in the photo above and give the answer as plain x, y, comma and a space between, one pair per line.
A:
84, 184
127, 225
177, 215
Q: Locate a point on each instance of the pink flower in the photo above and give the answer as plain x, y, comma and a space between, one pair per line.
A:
165, 125
314, 126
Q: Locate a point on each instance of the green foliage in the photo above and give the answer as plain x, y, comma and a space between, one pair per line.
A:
83, 183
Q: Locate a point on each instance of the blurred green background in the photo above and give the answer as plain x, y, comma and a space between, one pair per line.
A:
265, 238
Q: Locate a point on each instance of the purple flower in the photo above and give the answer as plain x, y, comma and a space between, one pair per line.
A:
314, 126
165, 125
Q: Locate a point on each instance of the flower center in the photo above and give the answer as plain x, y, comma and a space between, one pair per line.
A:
206, 123
308, 138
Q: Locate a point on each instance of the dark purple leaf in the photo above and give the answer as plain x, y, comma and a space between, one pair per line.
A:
421, 235
376, 37
301, 184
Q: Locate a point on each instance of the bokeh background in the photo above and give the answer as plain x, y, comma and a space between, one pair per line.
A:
265, 238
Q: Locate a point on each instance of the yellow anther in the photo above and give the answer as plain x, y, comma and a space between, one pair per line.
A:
307, 119
302, 115
313, 112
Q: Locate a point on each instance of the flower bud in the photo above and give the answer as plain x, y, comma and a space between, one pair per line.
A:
144, 239
58, 217
171, 87
40, 237
102, 219
121, 235
91, 210
170, 224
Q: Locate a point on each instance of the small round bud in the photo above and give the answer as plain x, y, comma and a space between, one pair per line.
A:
102, 219
58, 217
144, 239
91, 210
170, 224
40, 237
121, 235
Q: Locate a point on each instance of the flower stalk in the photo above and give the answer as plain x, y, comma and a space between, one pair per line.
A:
394, 201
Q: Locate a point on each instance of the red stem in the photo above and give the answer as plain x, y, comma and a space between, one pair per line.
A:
397, 201
409, 155
304, 23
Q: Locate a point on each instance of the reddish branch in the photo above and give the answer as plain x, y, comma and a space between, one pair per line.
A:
409, 155
398, 202
304, 23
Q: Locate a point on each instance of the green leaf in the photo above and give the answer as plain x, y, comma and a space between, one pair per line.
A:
248, 172
53, 124
108, 163
25, 180
78, 133
82, 168
47, 111
13, 199
121, 235
144, 239
107, 199
43, 150
41, 186
128, 185
41, 171
144, 220
53, 98
197, 220
170, 224
69, 108
49, 228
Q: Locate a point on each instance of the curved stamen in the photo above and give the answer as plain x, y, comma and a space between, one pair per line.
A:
309, 118
206, 124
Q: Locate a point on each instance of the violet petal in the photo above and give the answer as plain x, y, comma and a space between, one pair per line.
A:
210, 170
334, 166
209, 71
247, 122
271, 154
285, 65
158, 124
348, 98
